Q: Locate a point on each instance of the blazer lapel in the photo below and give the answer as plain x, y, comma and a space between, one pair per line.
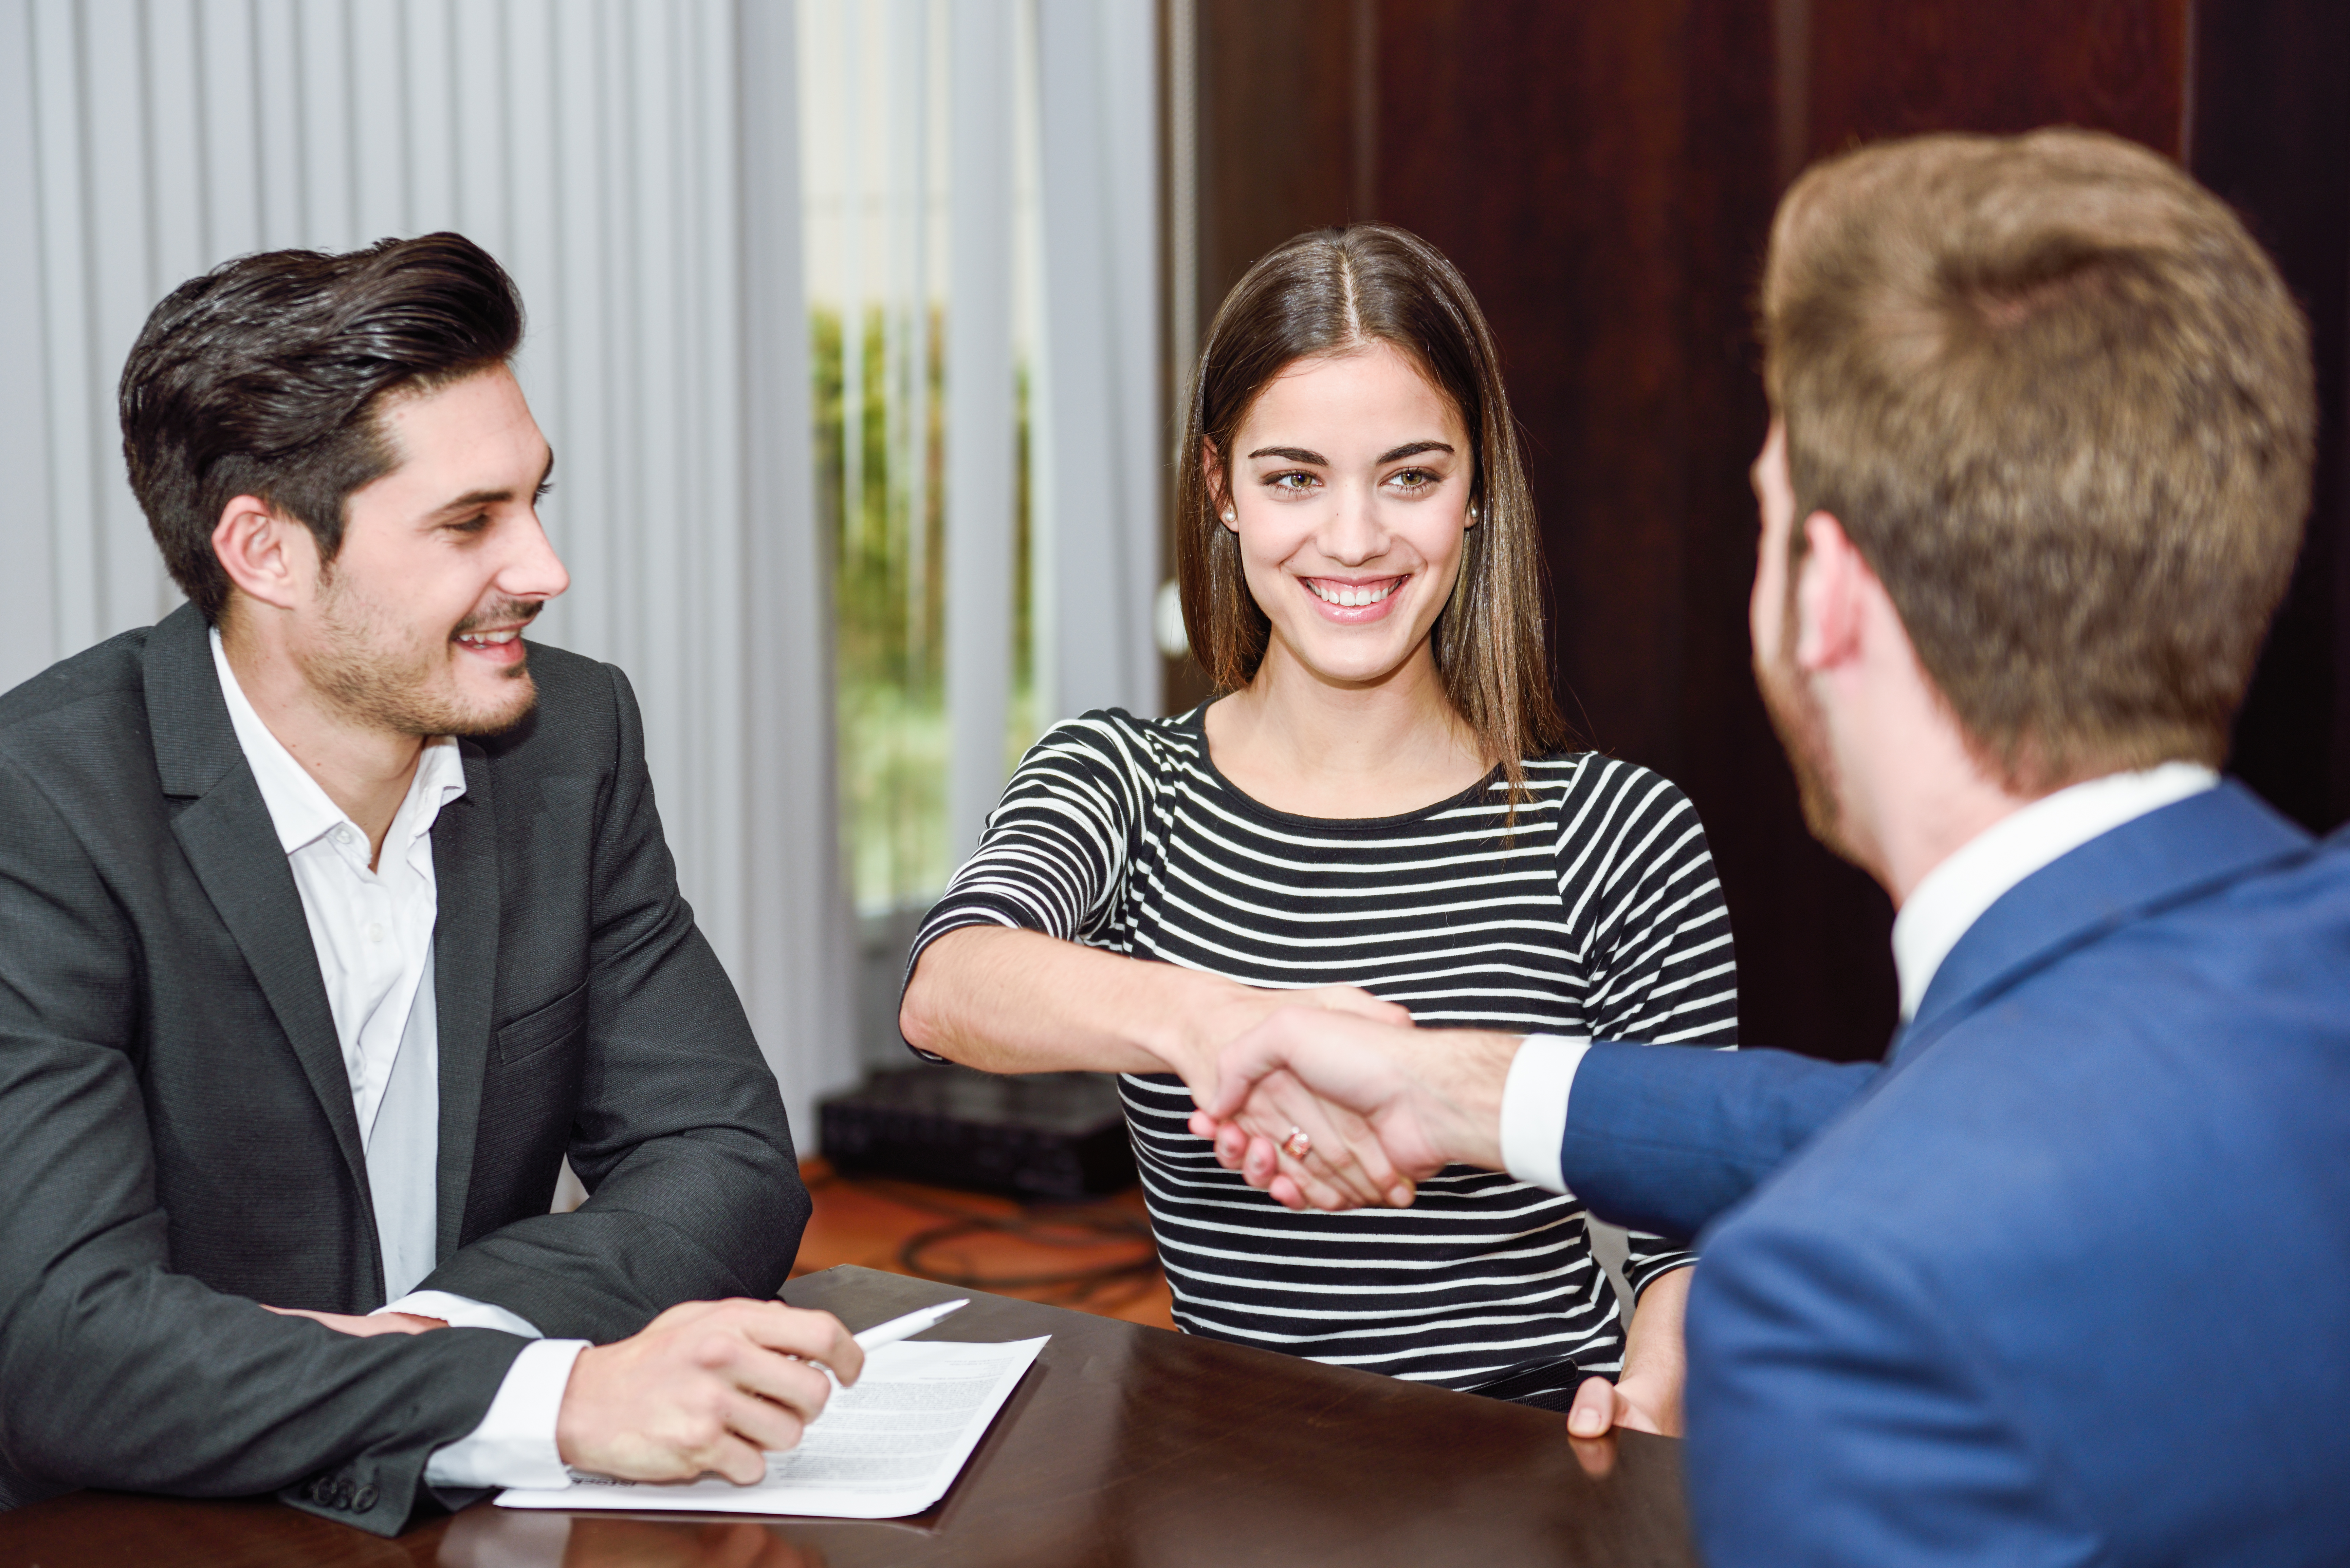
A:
464, 975
2161, 859
225, 832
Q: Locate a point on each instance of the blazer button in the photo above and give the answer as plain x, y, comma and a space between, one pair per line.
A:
343, 1490
364, 1499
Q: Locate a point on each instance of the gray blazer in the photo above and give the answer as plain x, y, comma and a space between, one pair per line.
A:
176, 1123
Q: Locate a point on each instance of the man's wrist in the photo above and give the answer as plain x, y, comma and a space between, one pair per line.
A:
1471, 1069
515, 1443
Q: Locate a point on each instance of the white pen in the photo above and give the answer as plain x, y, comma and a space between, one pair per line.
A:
905, 1328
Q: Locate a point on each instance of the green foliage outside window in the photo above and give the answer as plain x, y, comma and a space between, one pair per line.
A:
888, 553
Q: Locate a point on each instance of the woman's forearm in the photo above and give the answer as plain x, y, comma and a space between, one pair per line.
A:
1021, 1001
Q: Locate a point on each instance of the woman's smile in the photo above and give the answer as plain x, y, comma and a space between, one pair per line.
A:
1354, 601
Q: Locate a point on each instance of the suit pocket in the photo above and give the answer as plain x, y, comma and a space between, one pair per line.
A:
535, 1032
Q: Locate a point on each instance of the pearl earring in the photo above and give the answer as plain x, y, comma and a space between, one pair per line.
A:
1227, 514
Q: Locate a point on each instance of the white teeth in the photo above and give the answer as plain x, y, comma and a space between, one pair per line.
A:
1352, 596
489, 638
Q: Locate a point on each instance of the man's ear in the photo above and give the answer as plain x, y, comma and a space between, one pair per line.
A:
1832, 586
268, 556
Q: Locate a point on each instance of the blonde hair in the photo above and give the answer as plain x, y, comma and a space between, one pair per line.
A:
2062, 404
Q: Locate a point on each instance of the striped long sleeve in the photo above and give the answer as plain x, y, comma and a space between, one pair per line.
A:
1589, 907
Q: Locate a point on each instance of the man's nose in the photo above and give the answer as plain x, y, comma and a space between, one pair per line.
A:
533, 571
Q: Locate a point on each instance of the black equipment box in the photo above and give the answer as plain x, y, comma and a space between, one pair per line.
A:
1033, 1135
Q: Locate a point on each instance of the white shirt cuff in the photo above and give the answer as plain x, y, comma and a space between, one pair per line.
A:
515, 1445
460, 1312
1533, 1107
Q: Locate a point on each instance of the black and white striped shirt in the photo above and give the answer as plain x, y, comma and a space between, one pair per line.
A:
1599, 915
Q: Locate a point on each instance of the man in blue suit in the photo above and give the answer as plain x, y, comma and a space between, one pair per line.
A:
2067, 1278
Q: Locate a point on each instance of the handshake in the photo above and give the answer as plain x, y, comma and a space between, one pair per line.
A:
1332, 1099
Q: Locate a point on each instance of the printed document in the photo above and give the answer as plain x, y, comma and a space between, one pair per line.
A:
887, 1448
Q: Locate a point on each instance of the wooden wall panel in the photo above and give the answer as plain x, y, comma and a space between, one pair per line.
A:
1277, 86
2272, 134
1603, 173
1892, 68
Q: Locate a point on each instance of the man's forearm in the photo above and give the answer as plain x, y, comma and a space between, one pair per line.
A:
688, 1215
1664, 1138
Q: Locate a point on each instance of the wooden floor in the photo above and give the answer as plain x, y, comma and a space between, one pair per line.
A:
1095, 1257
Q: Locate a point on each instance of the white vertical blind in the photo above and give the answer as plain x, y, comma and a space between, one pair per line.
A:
28, 597
800, 985
1107, 446
634, 163
980, 420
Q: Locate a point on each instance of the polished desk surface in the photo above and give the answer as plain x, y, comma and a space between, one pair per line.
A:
1123, 1446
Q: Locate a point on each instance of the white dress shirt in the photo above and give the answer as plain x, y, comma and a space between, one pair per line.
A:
1939, 911
371, 929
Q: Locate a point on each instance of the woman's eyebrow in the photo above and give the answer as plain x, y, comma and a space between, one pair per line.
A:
1299, 454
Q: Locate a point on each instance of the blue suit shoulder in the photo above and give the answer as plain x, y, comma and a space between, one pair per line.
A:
2074, 1280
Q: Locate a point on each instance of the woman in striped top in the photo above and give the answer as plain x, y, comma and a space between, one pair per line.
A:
1375, 817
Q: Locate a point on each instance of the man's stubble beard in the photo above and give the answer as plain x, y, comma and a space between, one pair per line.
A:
362, 671
1803, 734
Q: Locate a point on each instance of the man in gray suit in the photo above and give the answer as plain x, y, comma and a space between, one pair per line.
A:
331, 920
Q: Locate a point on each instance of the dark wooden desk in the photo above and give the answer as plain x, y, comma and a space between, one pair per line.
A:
1125, 1446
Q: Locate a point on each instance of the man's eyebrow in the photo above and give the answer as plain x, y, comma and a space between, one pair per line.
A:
470, 500
473, 498
1291, 454
1414, 448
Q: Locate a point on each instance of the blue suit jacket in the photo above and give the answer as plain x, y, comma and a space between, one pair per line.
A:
2067, 1281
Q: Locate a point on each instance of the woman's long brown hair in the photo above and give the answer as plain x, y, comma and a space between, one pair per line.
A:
1329, 293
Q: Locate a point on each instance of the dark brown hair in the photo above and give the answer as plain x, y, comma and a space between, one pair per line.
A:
1330, 293
2062, 405
265, 377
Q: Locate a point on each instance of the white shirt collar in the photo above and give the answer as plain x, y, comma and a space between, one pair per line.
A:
1955, 894
299, 809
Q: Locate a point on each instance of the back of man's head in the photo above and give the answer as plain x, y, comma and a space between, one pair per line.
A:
2062, 404
265, 377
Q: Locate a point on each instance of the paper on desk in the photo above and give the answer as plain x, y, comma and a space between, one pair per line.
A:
887, 1448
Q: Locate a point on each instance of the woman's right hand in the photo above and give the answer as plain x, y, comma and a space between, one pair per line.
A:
1234, 1009
1199, 1045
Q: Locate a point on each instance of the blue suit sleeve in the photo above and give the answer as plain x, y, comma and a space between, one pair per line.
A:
1665, 1141
1839, 1415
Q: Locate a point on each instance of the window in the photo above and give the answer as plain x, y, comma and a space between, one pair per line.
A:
887, 274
